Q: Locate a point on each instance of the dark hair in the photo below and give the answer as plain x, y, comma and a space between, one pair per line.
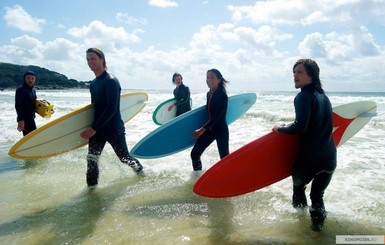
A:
99, 53
28, 73
218, 74
312, 69
176, 75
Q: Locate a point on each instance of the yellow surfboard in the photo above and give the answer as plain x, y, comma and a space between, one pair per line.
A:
63, 134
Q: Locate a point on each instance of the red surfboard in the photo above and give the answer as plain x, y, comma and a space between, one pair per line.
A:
270, 158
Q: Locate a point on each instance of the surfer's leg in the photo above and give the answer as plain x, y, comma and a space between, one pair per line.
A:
299, 196
95, 148
223, 142
300, 179
317, 211
119, 145
29, 126
200, 146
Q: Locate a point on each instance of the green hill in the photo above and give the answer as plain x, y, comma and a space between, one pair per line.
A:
11, 76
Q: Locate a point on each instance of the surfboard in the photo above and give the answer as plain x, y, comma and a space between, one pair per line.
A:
175, 135
162, 115
63, 134
270, 158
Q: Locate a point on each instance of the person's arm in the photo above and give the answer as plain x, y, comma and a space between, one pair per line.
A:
19, 97
183, 96
110, 106
303, 105
217, 110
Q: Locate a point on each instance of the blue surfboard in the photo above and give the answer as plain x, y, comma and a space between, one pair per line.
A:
175, 135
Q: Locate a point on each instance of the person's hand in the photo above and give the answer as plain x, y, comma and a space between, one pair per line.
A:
88, 133
20, 126
276, 127
198, 132
170, 107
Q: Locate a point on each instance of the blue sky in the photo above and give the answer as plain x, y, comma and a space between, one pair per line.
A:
253, 43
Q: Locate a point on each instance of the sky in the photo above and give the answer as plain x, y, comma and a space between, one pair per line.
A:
253, 43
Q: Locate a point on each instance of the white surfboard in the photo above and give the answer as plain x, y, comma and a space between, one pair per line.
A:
162, 114
63, 134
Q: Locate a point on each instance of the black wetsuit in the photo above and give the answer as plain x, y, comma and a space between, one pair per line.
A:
182, 97
216, 127
108, 124
317, 156
25, 99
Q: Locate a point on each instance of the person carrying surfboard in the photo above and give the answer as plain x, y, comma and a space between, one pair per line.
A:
108, 125
316, 159
25, 98
216, 127
181, 95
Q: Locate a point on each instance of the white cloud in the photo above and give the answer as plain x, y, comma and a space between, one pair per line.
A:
97, 34
163, 3
305, 12
333, 47
337, 47
130, 20
315, 17
364, 42
17, 17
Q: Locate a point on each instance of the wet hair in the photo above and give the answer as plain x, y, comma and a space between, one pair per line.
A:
28, 73
99, 53
312, 69
176, 75
218, 74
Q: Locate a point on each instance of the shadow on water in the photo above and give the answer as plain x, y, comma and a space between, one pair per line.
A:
225, 221
180, 203
70, 223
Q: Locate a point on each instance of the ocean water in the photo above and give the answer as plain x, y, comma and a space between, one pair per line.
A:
47, 201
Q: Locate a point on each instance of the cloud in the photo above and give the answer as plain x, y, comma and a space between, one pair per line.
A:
17, 17
283, 12
163, 3
97, 34
125, 18
364, 42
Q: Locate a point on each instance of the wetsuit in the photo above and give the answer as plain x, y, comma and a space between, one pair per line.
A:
25, 99
182, 97
108, 124
215, 129
317, 155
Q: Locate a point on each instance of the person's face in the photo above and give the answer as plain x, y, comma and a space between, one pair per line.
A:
94, 62
212, 81
30, 80
178, 80
301, 78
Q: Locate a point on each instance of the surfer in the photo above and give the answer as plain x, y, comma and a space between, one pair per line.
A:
25, 98
108, 125
317, 155
216, 127
181, 95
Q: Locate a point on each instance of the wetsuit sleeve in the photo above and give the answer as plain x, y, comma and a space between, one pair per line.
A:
19, 96
303, 105
217, 110
110, 105
183, 97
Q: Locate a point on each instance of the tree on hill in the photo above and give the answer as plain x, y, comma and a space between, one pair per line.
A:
11, 76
